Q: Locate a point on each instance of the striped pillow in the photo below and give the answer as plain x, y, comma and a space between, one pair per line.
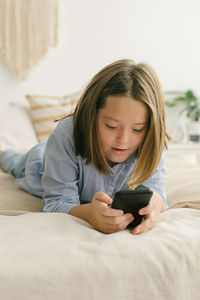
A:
46, 109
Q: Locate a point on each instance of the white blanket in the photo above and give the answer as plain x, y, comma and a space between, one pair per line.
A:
57, 256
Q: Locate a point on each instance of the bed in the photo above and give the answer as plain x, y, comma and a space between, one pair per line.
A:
58, 256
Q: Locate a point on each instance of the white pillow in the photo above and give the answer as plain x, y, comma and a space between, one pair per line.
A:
16, 128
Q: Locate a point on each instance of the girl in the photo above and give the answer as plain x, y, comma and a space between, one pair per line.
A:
114, 141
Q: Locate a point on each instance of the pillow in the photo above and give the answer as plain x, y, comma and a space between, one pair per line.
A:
16, 128
46, 109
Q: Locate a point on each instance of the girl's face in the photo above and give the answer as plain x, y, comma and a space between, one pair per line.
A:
122, 126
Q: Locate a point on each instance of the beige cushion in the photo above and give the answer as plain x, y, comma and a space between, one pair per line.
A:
46, 109
16, 128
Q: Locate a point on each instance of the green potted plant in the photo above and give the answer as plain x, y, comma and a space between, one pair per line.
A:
191, 106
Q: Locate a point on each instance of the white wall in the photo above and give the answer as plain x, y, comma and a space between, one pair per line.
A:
93, 33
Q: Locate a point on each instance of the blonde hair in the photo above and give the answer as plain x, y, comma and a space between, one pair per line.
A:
122, 78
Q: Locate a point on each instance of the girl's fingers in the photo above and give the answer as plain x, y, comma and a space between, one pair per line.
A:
106, 210
103, 197
112, 212
119, 223
145, 210
150, 213
146, 224
120, 220
126, 222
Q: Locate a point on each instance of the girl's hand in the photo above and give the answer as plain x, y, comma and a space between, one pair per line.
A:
151, 213
104, 218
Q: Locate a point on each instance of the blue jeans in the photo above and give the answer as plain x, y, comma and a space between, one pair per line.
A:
13, 162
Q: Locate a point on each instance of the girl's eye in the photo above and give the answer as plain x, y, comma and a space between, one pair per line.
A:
138, 130
110, 127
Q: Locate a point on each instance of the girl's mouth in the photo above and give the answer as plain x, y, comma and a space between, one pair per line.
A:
118, 150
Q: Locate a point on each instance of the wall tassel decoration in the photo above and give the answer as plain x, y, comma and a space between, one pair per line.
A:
28, 28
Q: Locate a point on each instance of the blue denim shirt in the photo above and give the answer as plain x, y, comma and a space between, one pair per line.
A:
53, 171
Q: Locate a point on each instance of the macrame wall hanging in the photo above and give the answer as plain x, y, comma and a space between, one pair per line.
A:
28, 28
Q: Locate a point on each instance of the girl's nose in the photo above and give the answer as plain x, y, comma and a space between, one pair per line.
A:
123, 137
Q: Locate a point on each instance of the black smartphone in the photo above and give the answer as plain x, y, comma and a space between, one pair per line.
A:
132, 202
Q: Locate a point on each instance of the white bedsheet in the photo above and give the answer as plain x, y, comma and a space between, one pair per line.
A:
57, 256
